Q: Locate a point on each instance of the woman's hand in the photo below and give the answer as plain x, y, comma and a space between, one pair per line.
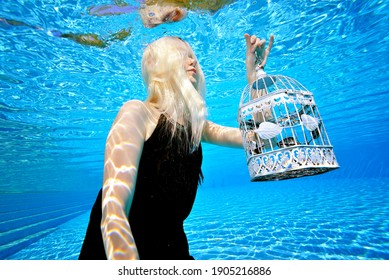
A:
256, 54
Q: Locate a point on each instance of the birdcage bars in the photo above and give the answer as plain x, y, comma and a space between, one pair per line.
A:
283, 133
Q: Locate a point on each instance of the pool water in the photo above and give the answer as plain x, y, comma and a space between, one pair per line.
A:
304, 220
58, 99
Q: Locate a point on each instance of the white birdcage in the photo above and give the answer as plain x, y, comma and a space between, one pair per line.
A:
283, 134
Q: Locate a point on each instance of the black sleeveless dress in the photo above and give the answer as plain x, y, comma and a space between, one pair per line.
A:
165, 191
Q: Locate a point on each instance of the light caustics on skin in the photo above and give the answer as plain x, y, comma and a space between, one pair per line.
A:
113, 229
120, 171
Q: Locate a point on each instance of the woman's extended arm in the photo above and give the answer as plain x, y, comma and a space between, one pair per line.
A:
222, 135
228, 136
122, 154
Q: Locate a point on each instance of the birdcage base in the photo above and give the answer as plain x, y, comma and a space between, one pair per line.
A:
292, 162
292, 174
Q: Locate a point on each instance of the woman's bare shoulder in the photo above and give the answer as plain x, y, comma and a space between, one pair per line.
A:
134, 104
140, 113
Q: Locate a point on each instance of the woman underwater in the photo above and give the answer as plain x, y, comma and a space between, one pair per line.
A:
153, 157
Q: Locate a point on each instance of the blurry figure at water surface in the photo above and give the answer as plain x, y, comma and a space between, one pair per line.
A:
156, 12
153, 157
4, 23
87, 39
90, 39
152, 13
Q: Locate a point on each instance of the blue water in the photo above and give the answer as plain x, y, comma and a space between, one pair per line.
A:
59, 98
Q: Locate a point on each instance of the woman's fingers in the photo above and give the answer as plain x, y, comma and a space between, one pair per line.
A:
262, 53
256, 46
270, 43
248, 40
254, 43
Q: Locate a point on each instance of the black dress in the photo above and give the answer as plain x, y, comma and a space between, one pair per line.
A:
165, 191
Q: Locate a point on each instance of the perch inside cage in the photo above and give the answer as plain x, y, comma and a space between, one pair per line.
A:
283, 133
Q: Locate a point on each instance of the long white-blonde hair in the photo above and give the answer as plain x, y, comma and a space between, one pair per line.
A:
170, 89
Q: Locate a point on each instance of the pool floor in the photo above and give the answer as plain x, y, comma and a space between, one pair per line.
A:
304, 219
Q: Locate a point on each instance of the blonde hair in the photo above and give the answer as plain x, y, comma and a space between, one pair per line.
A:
170, 89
